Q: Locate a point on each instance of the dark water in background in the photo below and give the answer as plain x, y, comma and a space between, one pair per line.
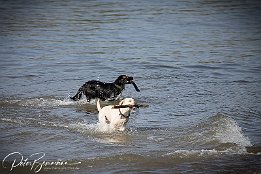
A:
197, 65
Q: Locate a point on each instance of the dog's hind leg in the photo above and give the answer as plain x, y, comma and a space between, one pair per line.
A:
78, 95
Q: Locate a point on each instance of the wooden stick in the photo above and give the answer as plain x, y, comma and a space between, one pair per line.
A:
126, 106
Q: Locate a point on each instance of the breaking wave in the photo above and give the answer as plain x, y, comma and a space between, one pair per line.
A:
228, 131
218, 134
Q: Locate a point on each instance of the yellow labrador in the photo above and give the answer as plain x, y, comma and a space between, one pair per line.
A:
116, 116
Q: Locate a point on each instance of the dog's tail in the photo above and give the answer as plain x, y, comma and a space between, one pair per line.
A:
98, 105
78, 95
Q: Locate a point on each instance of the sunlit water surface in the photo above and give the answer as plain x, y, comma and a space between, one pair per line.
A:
197, 65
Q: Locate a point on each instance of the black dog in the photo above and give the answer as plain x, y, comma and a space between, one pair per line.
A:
95, 89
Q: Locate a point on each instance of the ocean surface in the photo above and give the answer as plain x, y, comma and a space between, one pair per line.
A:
197, 64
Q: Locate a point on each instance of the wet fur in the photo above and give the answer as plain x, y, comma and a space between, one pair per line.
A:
116, 118
105, 91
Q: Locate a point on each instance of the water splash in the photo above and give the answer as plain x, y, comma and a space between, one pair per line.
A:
41, 102
224, 134
195, 153
228, 131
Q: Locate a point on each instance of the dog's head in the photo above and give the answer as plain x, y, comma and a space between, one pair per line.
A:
123, 79
130, 102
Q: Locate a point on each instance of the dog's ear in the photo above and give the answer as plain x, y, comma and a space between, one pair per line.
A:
121, 102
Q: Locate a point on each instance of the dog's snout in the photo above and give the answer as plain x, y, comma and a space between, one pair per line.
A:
130, 78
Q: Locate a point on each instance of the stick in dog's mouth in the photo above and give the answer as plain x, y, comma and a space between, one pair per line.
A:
125, 106
135, 86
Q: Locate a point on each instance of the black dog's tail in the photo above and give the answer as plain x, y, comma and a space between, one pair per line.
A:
78, 95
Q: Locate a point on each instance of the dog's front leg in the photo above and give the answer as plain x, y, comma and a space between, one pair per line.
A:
117, 97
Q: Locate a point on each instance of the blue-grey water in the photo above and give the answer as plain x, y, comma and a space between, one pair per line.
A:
197, 64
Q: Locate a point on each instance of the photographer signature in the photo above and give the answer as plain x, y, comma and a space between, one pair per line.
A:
34, 161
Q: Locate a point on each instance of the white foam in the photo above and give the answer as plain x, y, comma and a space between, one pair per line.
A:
106, 128
228, 131
81, 127
196, 153
45, 102
156, 138
90, 128
50, 102
16, 121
